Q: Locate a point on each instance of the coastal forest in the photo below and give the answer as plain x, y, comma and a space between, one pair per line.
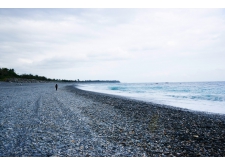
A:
9, 74
6, 74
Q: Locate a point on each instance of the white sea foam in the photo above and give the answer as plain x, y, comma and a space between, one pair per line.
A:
199, 96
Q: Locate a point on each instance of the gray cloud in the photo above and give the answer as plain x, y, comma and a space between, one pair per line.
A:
134, 40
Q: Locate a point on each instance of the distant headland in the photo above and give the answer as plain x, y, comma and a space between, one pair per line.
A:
9, 75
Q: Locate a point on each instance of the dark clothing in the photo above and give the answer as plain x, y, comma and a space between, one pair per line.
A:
56, 86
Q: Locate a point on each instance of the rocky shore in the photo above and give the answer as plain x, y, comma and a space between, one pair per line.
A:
36, 120
158, 129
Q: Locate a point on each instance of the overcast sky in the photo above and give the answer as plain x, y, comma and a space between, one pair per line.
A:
130, 45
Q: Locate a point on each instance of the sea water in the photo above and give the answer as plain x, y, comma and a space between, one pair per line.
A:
197, 96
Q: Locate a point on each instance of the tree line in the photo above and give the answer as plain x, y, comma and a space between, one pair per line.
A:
6, 73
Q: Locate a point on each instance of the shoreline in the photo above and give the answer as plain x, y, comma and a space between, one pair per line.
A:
151, 103
192, 133
38, 121
187, 104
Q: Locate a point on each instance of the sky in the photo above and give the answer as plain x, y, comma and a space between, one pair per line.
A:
125, 44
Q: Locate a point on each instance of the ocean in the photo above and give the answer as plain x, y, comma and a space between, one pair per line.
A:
196, 96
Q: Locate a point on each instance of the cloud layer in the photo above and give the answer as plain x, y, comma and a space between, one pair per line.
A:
132, 45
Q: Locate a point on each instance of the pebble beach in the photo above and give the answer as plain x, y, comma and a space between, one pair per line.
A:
38, 121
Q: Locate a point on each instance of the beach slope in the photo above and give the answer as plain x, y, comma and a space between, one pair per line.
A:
37, 120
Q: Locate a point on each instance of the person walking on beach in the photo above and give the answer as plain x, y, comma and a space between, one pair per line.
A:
56, 86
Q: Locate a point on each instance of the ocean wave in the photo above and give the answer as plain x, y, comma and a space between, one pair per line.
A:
118, 88
200, 97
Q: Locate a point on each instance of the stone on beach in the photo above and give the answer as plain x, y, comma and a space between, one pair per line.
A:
36, 120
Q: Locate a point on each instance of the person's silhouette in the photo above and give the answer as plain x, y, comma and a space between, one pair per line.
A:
56, 86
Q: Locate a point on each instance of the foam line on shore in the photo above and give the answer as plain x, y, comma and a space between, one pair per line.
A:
147, 102
172, 130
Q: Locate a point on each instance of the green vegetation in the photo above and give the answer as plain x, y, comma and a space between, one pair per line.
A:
36, 77
6, 74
